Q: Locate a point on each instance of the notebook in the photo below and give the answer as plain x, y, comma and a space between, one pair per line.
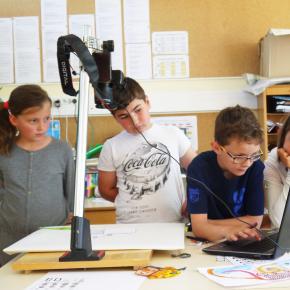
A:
264, 249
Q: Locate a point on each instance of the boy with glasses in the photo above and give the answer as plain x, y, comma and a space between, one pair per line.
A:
225, 185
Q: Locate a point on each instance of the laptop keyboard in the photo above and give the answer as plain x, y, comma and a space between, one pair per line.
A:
251, 245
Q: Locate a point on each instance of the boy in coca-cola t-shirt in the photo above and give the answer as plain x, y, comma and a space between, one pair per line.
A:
136, 170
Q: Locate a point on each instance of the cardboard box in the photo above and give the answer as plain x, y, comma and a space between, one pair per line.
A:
275, 54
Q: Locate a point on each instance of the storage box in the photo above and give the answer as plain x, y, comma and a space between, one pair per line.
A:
275, 54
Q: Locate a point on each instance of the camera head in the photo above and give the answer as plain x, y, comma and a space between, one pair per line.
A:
97, 65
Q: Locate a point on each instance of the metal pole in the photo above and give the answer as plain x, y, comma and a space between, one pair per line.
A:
81, 143
81, 245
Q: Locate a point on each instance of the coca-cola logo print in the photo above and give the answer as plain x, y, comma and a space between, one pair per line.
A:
146, 170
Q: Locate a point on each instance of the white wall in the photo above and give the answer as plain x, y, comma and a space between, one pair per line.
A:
167, 96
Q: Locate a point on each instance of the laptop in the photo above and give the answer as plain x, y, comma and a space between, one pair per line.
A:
263, 249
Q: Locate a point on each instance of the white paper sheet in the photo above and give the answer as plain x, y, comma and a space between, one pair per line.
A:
170, 66
260, 85
50, 35
278, 31
249, 274
136, 21
53, 12
53, 25
138, 61
170, 42
244, 261
188, 124
80, 25
89, 280
167, 236
26, 49
6, 51
170, 54
109, 27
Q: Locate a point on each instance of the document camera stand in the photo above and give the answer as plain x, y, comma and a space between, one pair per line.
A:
81, 245
96, 69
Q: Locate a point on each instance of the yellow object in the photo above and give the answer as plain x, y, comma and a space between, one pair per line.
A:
166, 272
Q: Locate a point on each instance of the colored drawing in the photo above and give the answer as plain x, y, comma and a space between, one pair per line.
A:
250, 274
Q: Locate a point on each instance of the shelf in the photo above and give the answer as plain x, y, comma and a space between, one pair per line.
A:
266, 112
278, 114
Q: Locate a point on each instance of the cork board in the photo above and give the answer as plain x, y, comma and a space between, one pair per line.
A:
223, 34
223, 41
100, 128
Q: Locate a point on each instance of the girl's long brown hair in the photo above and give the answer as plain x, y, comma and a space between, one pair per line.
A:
21, 98
283, 132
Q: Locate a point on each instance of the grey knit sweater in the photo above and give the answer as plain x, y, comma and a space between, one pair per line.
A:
36, 189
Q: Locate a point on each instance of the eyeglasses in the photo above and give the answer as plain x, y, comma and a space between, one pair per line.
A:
240, 159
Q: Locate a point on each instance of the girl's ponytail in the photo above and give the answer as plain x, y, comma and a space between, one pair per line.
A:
7, 131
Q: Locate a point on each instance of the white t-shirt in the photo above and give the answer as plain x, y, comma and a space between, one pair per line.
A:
149, 181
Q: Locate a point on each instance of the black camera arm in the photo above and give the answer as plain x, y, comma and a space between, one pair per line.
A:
71, 43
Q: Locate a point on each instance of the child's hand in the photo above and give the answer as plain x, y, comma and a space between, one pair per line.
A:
243, 232
69, 218
284, 157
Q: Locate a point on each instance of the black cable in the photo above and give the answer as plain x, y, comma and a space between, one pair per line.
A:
72, 69
209, 190
196, 180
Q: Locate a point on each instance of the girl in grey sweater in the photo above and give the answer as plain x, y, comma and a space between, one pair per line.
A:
36, 171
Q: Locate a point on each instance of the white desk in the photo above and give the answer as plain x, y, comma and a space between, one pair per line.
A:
189, 279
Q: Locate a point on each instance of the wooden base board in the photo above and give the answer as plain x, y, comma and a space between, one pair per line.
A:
49, 261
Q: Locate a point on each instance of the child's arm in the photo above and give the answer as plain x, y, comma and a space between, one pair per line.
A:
69, 218
107, 185
186, 159
69, 180
275, 187
252, 220
276, 196
234, 230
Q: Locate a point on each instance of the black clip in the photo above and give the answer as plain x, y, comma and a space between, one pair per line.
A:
182, 255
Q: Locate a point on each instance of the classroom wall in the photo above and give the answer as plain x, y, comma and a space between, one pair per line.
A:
223, 34
223, 42
202, 97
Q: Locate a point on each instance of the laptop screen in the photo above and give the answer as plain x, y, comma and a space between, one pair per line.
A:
284, 231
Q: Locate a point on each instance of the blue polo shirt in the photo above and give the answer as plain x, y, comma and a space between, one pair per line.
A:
244, 195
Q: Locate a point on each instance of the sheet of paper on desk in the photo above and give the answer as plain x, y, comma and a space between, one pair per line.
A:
250, 274
167, 236
242, 261
89, 280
